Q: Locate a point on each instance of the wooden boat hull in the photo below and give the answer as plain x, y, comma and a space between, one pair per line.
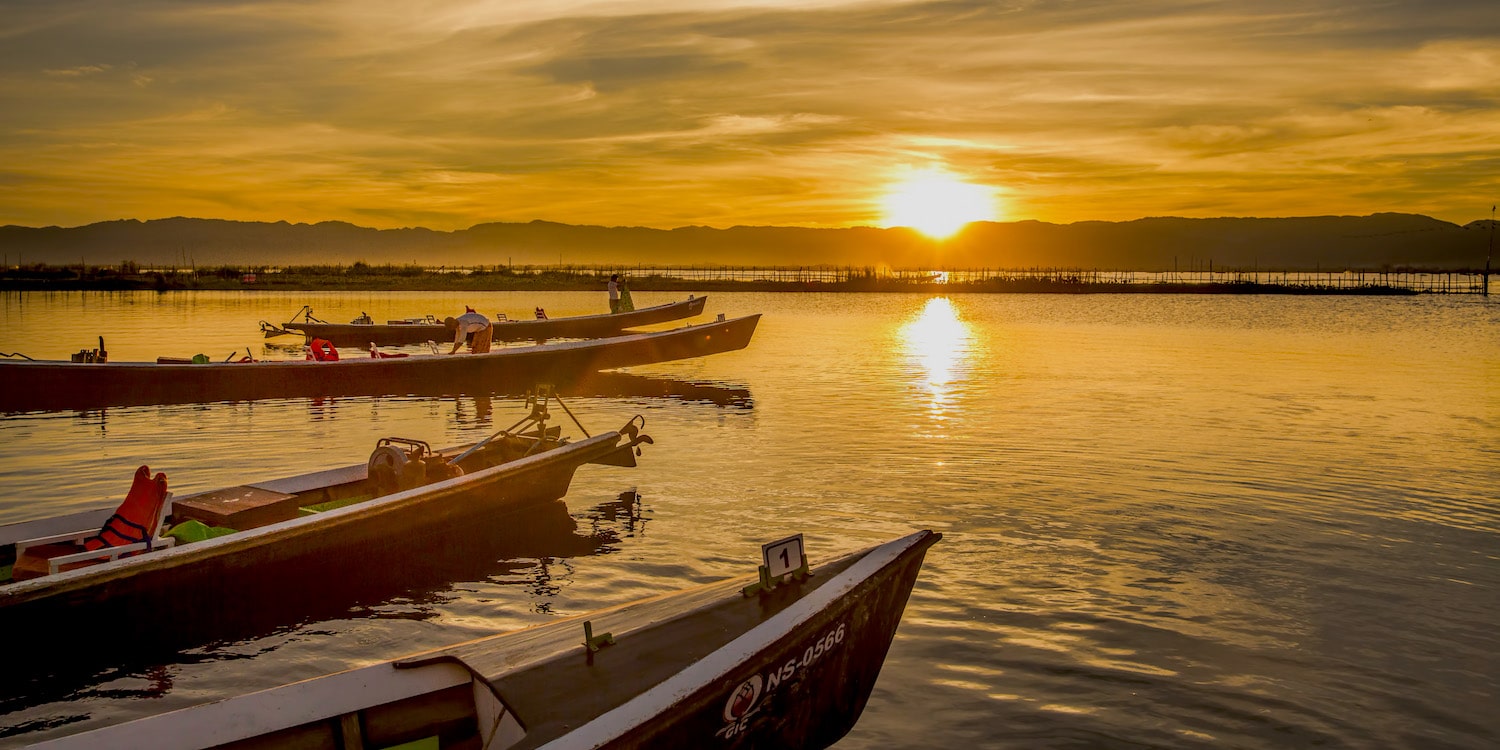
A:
617, 384
51, 385
210, 585
705, 667
579, 327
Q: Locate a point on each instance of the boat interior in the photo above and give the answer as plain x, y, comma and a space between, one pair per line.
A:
49, 546
437, 706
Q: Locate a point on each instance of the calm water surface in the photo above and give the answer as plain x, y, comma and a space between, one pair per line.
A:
1170, 521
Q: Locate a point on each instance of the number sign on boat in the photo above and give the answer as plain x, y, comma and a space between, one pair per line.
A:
780, 559
783, 556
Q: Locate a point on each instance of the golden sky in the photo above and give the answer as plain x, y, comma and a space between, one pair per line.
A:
667, 113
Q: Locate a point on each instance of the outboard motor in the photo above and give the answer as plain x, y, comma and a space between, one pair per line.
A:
399, 464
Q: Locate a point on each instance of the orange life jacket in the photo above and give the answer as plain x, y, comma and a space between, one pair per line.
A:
323, 351
136, 518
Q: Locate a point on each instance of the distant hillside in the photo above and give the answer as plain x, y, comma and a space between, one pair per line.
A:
1327, 242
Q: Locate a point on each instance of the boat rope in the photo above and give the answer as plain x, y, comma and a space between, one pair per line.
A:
16, 354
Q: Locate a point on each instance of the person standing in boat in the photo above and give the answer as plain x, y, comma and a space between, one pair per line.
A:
614, 293
470, 323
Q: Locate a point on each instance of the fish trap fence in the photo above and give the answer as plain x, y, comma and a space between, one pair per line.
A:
1434, 282
978, 279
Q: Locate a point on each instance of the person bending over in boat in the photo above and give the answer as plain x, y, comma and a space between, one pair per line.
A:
470, 322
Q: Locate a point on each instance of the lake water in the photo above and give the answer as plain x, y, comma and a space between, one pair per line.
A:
1169, 521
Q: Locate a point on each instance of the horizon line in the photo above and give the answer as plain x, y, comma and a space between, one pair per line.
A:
1480, 221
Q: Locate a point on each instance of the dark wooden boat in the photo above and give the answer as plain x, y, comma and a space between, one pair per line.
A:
432, 328
618, 384
388, 511
626, 385
50, 385
712, 666
522, 545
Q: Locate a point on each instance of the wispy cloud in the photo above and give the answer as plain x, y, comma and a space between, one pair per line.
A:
667, 113
81, 70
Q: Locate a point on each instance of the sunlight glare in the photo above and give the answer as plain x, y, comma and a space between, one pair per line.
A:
939, 341
937, 204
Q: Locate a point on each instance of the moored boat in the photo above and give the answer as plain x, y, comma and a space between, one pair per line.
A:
245, 546
789, 662
365, 331
43, 385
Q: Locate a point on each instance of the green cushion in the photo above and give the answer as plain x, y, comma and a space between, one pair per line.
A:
308, 510
197, 531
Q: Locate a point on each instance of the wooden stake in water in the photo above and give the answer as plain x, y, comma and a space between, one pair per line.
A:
1485, 288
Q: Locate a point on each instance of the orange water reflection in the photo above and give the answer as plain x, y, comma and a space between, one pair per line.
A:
940, 343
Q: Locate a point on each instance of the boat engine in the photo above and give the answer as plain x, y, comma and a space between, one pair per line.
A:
399, 464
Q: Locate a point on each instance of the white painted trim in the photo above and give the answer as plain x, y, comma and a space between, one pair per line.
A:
700, 674
242, 717
111, 553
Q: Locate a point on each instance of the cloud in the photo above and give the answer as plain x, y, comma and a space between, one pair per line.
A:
669, 113
81, 70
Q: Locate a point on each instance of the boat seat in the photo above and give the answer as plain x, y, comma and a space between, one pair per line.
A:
50, 555
326, 478
133, 528
243, 507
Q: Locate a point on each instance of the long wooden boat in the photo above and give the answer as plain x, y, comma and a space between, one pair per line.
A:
625, 385
618, 384
389, 511
432, 328
52, 385
712, 666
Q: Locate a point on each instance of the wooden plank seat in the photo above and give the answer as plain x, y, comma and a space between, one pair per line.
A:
314, 480
238, 508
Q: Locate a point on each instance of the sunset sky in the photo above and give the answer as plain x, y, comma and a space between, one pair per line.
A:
665, 113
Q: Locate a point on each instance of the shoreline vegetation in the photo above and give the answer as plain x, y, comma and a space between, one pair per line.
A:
365, 277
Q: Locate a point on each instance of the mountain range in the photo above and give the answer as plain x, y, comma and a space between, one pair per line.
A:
1378, 241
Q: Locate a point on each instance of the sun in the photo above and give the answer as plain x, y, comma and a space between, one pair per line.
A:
937, 204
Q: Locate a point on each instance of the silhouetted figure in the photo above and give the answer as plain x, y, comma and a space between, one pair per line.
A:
470, 323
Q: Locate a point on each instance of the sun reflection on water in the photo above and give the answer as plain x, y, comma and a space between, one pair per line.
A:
940, 343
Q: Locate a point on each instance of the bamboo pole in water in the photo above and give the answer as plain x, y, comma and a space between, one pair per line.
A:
1484, 288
